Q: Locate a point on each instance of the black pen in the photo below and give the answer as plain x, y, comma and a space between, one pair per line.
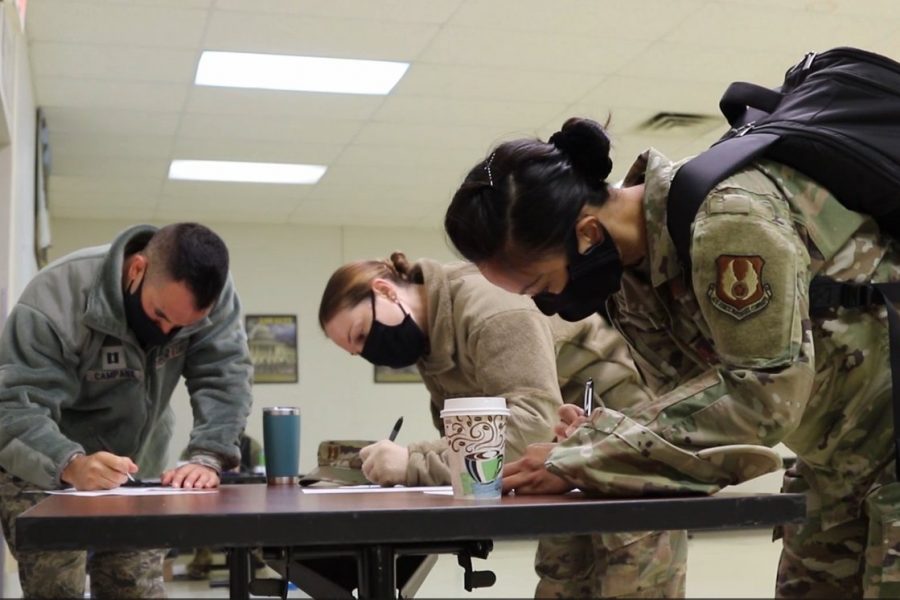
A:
396, 429
106, 448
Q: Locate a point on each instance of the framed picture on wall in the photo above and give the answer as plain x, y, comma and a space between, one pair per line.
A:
408, 374
273, 347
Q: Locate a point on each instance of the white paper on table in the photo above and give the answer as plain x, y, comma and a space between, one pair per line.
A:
368, 489
132, 491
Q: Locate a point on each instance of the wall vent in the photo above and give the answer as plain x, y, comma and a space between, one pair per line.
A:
680, 123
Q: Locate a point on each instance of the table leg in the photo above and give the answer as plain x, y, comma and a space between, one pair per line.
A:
377, 577
239, 573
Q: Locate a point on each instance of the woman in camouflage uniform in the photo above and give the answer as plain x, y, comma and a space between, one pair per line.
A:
469, 338
731, 350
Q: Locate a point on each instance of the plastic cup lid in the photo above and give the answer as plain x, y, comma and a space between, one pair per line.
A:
281, 410
477, 405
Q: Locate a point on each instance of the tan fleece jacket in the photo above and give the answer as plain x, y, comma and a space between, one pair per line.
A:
488, 342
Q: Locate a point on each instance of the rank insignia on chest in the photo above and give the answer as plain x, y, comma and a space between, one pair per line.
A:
739, 289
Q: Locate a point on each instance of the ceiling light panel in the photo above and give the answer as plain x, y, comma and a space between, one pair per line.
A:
251, 172
298, 73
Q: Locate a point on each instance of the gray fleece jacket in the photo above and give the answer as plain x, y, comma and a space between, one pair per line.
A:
73, 377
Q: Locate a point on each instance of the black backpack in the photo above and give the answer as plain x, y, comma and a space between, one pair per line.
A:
836, 119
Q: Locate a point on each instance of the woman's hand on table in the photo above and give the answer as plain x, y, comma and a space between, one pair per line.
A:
529, 475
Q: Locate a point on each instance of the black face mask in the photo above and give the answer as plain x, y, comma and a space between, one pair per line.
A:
145, 330
394, 346
593, 277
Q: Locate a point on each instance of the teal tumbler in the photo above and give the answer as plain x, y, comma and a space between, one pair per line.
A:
281, 444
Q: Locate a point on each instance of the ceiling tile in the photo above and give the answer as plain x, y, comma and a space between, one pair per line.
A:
286, 129
457, 137
778, 28
539, 50
175, 214
369, 213
101, 191
111, 145
881, 9
692, 61
347, 196
410, 157
215, 194
460, 111
64, 119
311, 36
80, 165
415, 11
219, 206
654, 95
138, 198
297, 151
133, 214
625, 19
103, 186
127, 63
115, 23
470, 82
224, 101
160, 3
341, 178
93, 93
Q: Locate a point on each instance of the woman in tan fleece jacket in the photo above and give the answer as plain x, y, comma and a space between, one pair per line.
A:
470, 338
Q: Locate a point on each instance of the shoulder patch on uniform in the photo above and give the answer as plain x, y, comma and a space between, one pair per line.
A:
739, 290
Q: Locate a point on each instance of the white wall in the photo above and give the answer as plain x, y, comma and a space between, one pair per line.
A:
17, 143
283, 269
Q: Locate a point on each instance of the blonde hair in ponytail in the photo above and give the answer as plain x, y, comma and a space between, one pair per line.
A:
352, 283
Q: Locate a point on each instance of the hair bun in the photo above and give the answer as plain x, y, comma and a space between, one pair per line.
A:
400, 264
586, 145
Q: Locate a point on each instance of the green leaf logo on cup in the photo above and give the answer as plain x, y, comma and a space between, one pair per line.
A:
476, 433
485, 466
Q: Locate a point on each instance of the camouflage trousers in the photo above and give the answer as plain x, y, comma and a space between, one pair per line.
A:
62, 574
856, 559
612, 565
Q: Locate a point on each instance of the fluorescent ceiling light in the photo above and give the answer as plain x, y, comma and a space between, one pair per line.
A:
254, 172
298, 73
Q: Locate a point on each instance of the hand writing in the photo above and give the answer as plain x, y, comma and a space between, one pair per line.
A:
98, 471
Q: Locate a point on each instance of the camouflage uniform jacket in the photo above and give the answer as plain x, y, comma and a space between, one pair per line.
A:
735, 358
73, 377
487, 342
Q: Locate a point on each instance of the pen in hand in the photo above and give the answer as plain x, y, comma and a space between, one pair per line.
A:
106, 448
396, 429
588, 397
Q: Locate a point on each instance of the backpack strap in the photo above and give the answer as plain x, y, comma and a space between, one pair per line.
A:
698, 176
740, 95
826, 293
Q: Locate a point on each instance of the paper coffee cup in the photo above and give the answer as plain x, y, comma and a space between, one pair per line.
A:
476, 433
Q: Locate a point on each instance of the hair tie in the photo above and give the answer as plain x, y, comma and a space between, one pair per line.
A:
560, 140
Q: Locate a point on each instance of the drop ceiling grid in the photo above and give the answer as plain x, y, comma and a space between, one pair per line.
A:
115, 79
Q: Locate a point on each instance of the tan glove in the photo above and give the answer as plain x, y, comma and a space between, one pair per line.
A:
385, 462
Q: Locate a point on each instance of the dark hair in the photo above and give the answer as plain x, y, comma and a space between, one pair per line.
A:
192, 254
352, 283
526, 195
